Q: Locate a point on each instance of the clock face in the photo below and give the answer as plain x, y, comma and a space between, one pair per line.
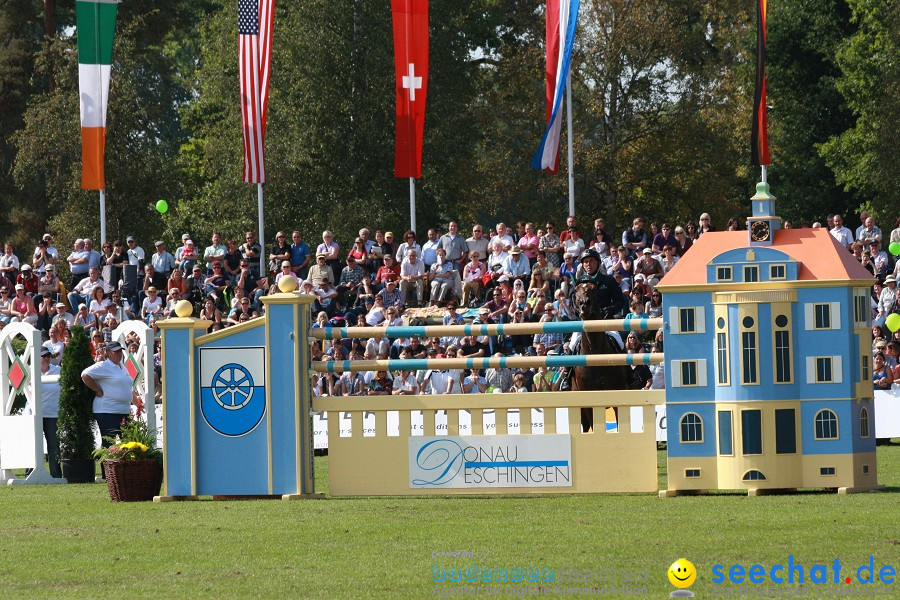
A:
759, 231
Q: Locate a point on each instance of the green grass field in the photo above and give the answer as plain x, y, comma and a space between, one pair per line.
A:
70, 541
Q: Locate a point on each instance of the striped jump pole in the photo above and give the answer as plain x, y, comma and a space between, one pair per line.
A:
426, 331
413, 364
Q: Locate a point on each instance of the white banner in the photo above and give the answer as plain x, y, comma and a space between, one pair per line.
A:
887, 412
498, 461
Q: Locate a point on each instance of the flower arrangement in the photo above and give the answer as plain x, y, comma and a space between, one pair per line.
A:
135, 441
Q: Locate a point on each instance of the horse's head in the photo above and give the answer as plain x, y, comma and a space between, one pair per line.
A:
586, 301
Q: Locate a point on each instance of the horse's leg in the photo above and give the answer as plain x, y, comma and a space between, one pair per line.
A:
587, 413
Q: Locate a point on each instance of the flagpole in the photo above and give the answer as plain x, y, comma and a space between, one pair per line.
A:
102, 217
765, 170
412, 204
262, 230
569, 139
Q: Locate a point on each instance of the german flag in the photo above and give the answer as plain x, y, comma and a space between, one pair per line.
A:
759, 133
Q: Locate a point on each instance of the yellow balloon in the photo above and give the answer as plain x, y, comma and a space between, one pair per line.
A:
893, 322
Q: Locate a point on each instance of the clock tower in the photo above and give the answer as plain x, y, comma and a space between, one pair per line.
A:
762, 223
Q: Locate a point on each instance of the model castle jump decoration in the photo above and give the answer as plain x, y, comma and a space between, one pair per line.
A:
768, 378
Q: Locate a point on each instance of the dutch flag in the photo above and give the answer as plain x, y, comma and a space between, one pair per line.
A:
562, 19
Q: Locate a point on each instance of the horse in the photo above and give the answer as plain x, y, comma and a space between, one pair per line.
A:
596, 342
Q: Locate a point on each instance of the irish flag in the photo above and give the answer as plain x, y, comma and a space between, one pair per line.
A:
96, 25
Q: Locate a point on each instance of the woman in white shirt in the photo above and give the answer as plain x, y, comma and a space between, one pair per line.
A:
99, 305
113, 391
152, 306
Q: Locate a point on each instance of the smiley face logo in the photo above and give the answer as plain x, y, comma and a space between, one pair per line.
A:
682, 573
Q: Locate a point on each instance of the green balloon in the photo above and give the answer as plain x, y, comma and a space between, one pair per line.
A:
162, 206
893, 322
894, 248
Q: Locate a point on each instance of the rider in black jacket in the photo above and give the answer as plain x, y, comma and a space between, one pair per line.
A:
609, 295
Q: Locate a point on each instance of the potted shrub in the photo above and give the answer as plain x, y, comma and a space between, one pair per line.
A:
132, 462
76, 439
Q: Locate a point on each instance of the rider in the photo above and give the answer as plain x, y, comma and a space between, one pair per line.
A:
609, 297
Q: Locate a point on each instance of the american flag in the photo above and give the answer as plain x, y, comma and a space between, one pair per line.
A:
255, 19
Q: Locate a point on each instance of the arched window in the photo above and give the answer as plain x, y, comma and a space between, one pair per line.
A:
826, 425
863, 422
691, 428
753, 475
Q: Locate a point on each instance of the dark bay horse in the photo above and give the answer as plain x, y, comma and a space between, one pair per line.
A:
597, 342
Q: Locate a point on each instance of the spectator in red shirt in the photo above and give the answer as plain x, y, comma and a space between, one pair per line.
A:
389, 271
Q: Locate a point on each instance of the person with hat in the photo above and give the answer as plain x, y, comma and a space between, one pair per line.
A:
28, 279
9, 262
887, 300
517, 265
649, 267
882, 376
22, 308
391, 295
49, 283
609, 297
136, 255
320, 271
50, 408
113, 391
389, 270
45, 254
162, 261
63, 315
195, 282
188, 258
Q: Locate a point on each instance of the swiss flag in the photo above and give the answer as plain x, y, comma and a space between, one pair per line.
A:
410, 19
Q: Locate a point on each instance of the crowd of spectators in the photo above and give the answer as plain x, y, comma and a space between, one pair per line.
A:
503, 274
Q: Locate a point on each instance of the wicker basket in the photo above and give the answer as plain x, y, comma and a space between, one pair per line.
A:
133, 480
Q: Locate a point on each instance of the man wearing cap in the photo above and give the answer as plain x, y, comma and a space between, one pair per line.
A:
609, 295
162, 261
113, 392
85, 288
78, 262
195, 281
50, 409
320, 271
351, 279
62, 315
136, 255
45, 254
391, 295
389, 271
28, 279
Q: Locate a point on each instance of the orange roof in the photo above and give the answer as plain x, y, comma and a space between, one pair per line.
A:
819, 254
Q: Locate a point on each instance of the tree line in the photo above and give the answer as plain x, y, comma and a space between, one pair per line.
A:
662, 94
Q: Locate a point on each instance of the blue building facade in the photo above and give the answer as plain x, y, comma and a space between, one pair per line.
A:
768, 375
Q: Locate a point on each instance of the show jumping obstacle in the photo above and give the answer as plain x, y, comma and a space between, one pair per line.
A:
237, 407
